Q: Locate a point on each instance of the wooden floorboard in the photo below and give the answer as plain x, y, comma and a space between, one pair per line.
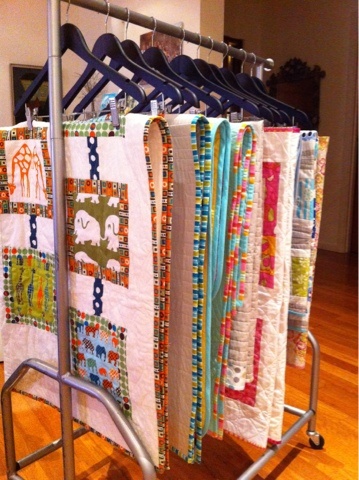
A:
333, 322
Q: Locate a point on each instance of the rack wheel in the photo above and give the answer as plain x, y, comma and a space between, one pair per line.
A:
317, 446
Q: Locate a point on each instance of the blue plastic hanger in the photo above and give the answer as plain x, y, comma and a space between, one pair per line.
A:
108, 45
292, 115
72, 39
215, 75
186, 67
158, 60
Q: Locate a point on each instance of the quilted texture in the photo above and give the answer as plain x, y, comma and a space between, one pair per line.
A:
215, 306
191, 135
27, 282
242, 175
306, 227
241, 347
181, 275
256, 412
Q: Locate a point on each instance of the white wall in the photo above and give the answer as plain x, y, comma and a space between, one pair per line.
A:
324, 33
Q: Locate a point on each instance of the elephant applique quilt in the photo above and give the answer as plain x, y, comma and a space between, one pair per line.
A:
98, 228
119, 207
118, 228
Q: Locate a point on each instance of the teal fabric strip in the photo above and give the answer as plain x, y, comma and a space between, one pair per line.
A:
238, 221
221, 158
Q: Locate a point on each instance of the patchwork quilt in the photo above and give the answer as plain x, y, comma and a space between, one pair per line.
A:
255, 413
215, 267
27, 281
306, 227
241, 346
242, 174
191, 247
119, 206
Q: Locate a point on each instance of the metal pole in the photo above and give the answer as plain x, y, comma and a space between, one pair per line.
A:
58, 177
50, 448
314, 385
9, 437
177, 32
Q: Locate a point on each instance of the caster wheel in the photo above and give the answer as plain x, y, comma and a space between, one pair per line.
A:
317, 446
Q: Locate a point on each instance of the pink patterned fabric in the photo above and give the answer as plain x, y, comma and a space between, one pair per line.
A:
256, 413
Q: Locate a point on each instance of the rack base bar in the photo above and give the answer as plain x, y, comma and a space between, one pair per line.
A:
52, 447
69, 381
294, 410
270, 452
119, 419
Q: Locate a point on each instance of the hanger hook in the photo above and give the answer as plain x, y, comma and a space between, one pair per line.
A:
211, 48
226, 54
183, 37
244, 60
128, 21
199, 45
108, 12
255, 61
154, 28
67, 11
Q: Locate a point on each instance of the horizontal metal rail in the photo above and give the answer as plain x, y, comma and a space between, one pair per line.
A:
174, 31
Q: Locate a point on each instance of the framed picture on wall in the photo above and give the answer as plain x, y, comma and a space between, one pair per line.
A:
21, 78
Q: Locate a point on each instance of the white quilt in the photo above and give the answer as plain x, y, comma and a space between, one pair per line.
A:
255, 414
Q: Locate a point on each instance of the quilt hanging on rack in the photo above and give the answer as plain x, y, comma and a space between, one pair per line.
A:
191, 136
254, 412
245, 166
27, 281
216, 271
119, 201
306, 227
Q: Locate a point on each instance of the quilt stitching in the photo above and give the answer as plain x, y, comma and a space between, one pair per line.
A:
161, 269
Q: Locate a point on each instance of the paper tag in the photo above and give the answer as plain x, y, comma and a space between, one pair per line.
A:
121, 104
154, 107
114, 113
106, 100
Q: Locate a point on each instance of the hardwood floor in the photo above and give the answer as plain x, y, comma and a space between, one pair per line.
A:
334, 324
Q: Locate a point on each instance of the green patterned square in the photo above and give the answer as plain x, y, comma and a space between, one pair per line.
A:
29, 288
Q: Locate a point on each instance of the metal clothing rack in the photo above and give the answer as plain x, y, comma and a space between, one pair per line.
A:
66, 380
